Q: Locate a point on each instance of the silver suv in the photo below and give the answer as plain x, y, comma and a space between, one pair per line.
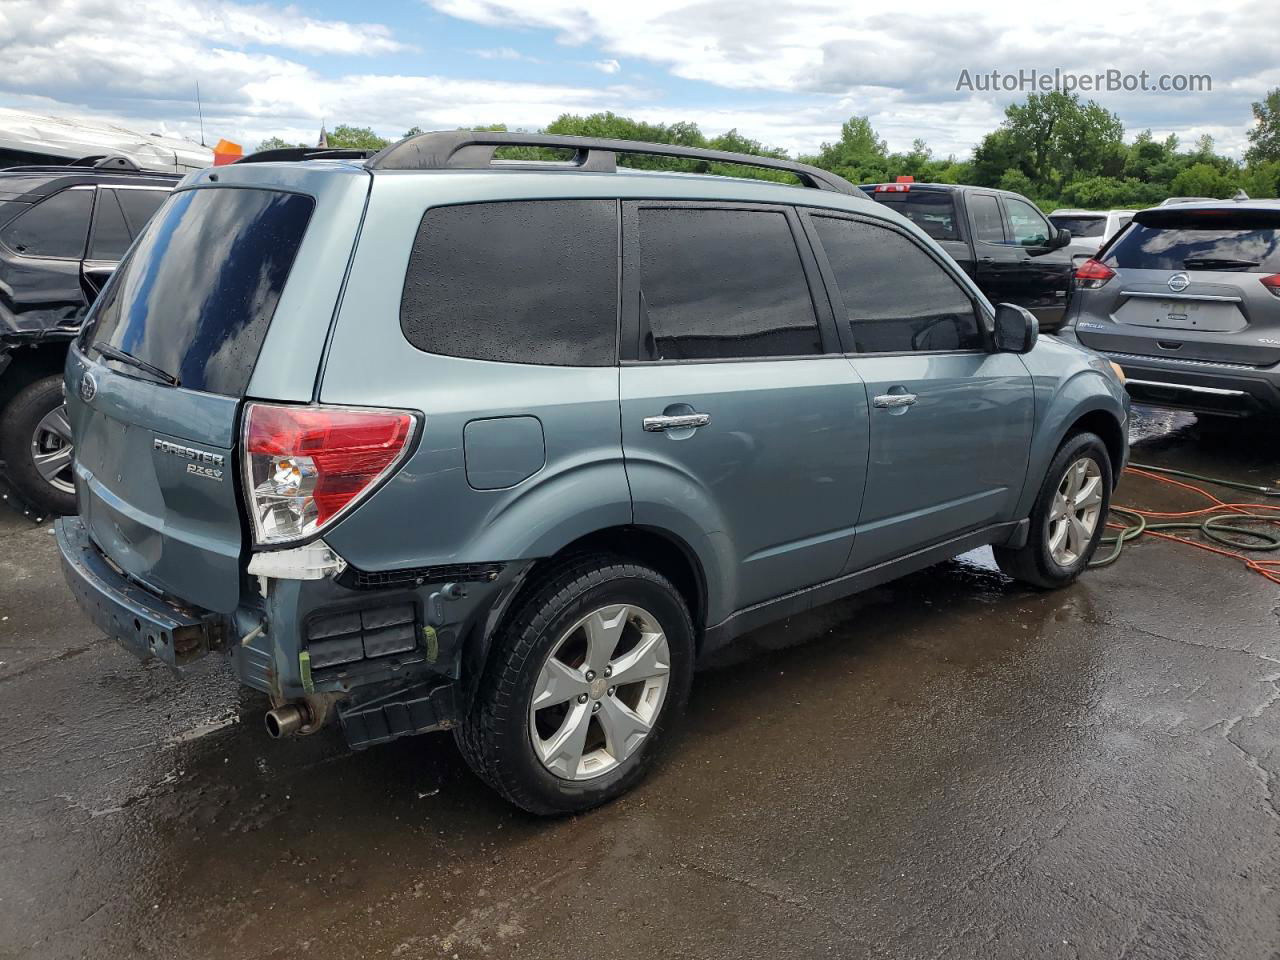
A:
433, 440
1187, 300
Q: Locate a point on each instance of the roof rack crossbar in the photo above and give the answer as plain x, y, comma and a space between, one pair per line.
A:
474, 150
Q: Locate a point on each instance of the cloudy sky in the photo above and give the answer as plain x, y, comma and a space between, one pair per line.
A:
786, 72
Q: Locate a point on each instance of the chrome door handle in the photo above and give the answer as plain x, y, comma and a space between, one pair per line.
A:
895, 400
683, 421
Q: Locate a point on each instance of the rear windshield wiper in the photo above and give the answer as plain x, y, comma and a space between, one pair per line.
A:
1225, 263
115, 353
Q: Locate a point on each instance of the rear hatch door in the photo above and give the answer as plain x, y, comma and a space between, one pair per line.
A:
1188, 286
155, 384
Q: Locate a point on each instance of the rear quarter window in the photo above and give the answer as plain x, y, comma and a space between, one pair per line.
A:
530, 281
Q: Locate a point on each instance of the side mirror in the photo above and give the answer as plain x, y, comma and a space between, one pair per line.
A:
1060, 239
1016, 329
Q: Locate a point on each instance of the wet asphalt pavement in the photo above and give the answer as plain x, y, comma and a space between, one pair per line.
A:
949, 766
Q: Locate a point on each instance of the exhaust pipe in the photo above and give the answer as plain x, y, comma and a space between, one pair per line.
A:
287, 721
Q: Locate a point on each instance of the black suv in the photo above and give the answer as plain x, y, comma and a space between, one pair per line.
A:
1001, 239
62, 232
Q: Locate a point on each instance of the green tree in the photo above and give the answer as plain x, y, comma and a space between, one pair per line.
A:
1262, 179
1150, 160
1016, 181
1264, 135
859, 154
1056, 139
995, 153
1109, 193
358, 138
1203, 180
275, 143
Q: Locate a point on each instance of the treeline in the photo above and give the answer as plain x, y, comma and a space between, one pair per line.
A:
1052, 147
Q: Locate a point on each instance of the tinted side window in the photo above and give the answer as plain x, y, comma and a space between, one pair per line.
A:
1028, 224
988, 221
139, 205
722, 284
898, 298
54, 227
524, 282
111, 236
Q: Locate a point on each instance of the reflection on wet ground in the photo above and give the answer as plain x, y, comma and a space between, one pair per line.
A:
947, 766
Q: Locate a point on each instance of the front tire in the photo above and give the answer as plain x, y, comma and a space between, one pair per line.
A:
1068, 519
588, 676
35, 443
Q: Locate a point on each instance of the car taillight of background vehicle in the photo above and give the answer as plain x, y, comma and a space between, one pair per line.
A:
1092, 274
306, 466
1272, 283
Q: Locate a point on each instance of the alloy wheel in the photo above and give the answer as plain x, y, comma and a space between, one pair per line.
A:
599, 692
51, 450
1076, 511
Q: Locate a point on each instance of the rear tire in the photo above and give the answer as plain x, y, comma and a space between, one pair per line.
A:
1068, 519
593, 739
32, 426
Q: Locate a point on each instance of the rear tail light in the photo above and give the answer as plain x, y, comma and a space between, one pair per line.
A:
1092, 274
1272, 283
307, 466
893, 187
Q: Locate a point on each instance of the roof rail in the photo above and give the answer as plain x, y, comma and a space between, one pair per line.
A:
306, 153
103, 161
474, 149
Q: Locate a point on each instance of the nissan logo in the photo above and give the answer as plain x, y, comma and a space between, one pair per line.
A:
88, 387
1179, 282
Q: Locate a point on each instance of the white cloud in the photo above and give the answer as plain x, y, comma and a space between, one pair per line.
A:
914, 54
787, 75
504, 53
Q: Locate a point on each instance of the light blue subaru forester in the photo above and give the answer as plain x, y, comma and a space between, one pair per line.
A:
431, 440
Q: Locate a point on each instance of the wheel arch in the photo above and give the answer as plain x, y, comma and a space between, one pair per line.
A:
29, 363
1105, 425
658, 549
1087, 401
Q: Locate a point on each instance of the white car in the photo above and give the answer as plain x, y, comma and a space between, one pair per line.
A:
1090, 229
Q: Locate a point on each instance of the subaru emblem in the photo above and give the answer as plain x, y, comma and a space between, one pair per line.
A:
1179, 282
88, 387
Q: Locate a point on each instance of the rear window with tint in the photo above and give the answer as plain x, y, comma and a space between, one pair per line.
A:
1247, 248
196, 294
933, 211
1081, 226
529, 281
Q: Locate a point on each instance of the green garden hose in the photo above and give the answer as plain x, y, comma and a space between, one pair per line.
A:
1235, 484
1230, 530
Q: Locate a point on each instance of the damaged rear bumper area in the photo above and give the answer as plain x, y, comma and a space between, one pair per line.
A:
146, 625
385, 662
